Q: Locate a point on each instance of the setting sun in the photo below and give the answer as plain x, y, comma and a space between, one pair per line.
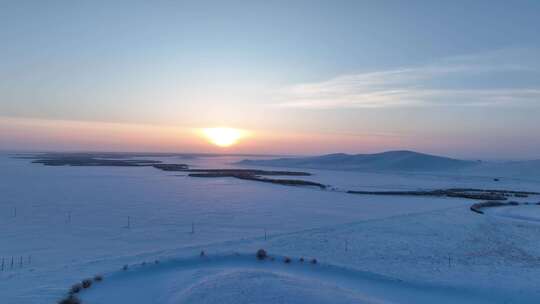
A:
223, 137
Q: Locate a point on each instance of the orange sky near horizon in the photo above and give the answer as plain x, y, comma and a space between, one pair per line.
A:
29, 134
62, 135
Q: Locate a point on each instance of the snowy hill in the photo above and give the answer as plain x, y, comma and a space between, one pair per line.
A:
386, 161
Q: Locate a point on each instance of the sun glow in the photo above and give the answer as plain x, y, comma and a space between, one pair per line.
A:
223, 137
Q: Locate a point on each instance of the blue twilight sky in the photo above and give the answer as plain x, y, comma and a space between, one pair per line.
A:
459, 78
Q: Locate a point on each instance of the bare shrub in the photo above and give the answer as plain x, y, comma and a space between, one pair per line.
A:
75, 288
314, 261
98, 278
86, 283
261, 254
287, 260
71, 299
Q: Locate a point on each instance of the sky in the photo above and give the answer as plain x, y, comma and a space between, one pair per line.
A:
455, 78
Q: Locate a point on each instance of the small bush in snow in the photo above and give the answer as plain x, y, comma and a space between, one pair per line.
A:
313, 261
156, 262
287, 260
75, 288
98, 278
203, 254
301, 260
70, 300
86, 283
125, 267
261, 254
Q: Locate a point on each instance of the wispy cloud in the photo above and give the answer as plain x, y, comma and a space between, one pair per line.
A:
429, 85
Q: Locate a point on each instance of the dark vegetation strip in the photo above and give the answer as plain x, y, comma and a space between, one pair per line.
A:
171, 167
476, 194
252, 177
220, 172
493, 191
89, 160
245, 174
251, 171
94, 162
439, 193
479, 206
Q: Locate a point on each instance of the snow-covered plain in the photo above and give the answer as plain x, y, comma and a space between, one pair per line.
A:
71, 222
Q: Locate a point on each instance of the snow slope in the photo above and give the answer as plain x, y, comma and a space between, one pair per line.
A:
72, 222
269, 281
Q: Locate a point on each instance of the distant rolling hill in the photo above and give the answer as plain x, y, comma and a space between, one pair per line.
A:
386, 161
